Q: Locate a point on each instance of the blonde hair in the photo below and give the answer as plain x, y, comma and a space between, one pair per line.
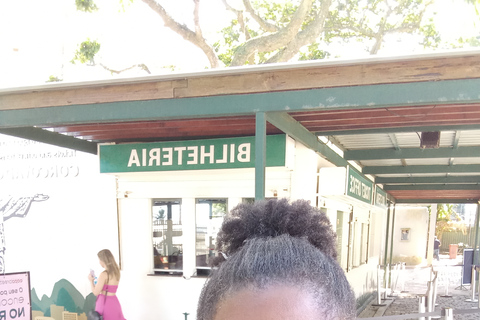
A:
111, 265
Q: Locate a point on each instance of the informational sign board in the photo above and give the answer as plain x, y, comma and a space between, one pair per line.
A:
380, 199
467, 266
345, 181
358, 186
224, 153
15, 296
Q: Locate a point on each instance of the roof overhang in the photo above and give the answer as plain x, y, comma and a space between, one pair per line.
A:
372, 110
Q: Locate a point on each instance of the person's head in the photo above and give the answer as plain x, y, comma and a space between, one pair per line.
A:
280, 260
107, 260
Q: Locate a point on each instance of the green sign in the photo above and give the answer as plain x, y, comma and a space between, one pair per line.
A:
358, 186
380, 197
225, 153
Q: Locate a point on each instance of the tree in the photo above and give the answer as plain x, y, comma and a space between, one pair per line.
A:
267, 31
277, 31
374, 20
448, 220
88, 49
86, 52
476, 5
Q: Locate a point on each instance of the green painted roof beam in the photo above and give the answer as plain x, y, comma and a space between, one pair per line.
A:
459, 168
370, 96
411, 153
53, 138
455, 179
426, 201
397, 187
398, 130
293, 128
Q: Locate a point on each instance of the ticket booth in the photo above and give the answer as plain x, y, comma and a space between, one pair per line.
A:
172, 199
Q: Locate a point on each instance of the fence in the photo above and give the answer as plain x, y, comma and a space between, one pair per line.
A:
457, 237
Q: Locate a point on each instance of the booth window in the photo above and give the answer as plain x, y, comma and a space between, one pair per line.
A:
209, 215
364, 248
167, 236
359, 241
252, 200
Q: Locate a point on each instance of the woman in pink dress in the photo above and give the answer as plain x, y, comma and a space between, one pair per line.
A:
107, 302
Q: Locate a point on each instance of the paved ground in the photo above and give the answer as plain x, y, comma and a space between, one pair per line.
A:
415, 283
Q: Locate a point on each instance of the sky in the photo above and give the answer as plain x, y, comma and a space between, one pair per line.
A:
39, 38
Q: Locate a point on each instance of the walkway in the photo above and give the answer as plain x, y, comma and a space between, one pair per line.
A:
415, 283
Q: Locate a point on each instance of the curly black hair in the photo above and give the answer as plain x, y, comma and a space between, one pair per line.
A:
273, 218
274, 242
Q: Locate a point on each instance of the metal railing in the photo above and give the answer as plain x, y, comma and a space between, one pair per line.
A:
426, 302
446, 313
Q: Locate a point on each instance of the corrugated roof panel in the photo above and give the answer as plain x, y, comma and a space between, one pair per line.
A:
469, 138
408, 139
411, 175
464, 174
466, 161
428, 175
447, 138
365, 141
419, 162
375, 163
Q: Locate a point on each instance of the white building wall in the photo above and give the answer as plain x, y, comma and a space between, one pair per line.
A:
60, 236
304, 179
150, 296
377, 234
363, 277
416, 220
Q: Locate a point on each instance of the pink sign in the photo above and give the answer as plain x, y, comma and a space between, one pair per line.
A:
15, 296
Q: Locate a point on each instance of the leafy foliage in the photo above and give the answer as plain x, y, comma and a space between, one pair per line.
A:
54, 79
219, 209
375, 19
346, 21
469, 42
476, 4
313, 53
267, 31
431, 37
448, 220
86, 5
86, 52
276, 13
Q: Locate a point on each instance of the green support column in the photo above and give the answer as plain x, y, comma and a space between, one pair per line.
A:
260, 154
475, 244
386, 236
393, 229
386, 246
391, 243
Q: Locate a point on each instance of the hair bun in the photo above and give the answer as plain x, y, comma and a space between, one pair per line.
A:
270, 218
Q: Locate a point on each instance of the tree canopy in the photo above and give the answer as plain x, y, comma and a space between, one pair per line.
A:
269, 31
448, 220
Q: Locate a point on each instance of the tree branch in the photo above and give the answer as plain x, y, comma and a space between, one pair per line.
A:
185, 32
268, 27
275, 40
304, 37
141, 66
241, 22
196, 19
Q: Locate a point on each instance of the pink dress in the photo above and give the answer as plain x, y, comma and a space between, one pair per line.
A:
109, 308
